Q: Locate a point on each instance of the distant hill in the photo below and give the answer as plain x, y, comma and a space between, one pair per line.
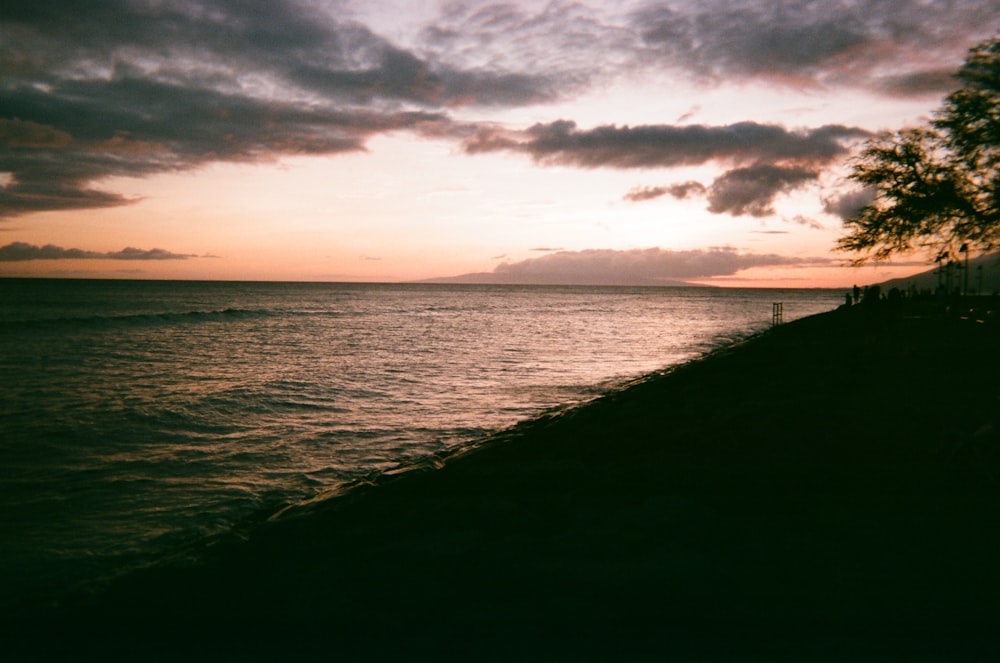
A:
984, 277
495, 278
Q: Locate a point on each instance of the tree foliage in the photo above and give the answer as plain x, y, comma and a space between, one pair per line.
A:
936, 187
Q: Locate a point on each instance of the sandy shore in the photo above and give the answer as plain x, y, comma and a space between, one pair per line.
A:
826, 491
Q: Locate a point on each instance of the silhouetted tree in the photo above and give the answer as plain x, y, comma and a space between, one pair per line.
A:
970, 120
936, 187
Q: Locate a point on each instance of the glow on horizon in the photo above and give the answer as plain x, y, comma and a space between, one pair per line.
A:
415, 203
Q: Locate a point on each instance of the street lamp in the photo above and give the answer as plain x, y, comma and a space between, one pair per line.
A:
965, 277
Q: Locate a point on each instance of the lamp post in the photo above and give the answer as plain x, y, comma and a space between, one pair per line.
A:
965, 277
941, 259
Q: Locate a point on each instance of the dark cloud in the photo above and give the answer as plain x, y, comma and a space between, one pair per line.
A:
680, 191
665, 146
27, 134
750, 37
770, 159
640, 194
21, 251
686, 190
141, 88
635, 267
848, 204
85, 131
815, 42
752, 190
740, 191
292, 46
570, 41
805, 43
54, 195
913, 84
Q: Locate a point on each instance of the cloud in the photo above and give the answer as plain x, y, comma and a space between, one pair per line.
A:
811, 44
848, 204
922, 83
807, 44
179, 128
571, 42
21, 252
739, 191
21, 133
667, 146
140, 88
752, 190
770, 159
679, 191
634, 267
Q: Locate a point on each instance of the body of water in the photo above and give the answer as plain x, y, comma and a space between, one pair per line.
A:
140, 417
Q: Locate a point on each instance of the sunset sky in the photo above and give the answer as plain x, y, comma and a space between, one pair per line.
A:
620, 141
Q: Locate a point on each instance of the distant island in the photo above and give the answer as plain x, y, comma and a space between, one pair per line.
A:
507, 278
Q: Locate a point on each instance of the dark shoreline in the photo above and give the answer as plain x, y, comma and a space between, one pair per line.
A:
825, 491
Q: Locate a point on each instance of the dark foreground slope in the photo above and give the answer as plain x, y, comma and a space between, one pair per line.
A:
826, 491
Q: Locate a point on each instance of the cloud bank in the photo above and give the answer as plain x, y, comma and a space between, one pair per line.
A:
22, 252
636, 267
806, 44
814, 43
668, 146
139, 88
769, 160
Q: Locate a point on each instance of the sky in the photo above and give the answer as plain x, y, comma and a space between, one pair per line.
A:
618, 142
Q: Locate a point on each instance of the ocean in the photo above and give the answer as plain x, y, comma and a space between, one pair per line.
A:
144, 418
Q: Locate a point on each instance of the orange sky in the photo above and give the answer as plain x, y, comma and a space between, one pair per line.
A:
345, 141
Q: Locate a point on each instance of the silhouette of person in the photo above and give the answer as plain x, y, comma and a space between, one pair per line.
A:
857, 293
